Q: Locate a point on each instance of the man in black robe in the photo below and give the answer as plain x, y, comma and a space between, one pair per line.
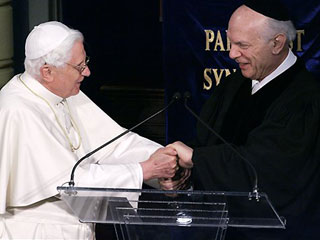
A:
270, 113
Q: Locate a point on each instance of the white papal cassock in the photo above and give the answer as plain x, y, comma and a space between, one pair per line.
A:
35, 158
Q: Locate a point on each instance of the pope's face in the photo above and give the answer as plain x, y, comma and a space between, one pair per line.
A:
68, 79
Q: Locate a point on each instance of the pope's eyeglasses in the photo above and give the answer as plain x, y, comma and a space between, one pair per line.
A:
81, 67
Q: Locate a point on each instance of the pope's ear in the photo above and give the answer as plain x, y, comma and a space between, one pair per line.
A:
46, 73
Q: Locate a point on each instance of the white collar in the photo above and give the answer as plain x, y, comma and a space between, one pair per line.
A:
38, 88
287, 63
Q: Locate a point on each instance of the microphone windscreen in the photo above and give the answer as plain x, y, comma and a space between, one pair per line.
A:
187, 95
176, 96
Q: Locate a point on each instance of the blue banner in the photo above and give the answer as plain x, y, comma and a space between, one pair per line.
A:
196, 51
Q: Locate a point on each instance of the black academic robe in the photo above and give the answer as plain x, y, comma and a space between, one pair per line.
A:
278, 131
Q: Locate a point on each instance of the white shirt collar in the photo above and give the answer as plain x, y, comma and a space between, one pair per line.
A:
287, 63
38, 88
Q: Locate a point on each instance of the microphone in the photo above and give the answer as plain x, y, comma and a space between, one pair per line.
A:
176, 96
255, 192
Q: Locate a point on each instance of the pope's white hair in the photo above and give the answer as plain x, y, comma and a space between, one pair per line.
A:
57, 57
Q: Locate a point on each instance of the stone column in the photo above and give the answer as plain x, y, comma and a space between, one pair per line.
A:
6, 42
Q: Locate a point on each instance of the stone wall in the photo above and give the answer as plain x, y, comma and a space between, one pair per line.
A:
6, 42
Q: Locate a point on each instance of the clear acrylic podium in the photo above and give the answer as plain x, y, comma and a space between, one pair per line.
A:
170, 215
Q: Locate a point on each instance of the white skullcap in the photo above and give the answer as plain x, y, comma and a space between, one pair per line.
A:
44, 38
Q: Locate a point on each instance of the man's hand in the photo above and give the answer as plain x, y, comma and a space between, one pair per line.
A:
178, 184
161, 164
184, 154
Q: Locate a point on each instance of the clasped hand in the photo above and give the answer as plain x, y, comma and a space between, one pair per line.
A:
184, 159
170, 165
161, 164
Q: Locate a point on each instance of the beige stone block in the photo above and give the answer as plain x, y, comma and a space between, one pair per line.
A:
5, 75
4, 2
6, 32
6, 63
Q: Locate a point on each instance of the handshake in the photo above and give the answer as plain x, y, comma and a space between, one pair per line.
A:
171, 165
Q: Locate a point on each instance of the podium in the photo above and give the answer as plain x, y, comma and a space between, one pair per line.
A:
139, 214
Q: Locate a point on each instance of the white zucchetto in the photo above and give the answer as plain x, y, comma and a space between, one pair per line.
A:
44, 38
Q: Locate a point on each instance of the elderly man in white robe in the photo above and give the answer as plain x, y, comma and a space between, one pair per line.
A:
46, 125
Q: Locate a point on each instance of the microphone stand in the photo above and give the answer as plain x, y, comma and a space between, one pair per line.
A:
254, 193
175, 98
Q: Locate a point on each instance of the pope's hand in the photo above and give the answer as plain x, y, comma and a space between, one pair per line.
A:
161, 164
